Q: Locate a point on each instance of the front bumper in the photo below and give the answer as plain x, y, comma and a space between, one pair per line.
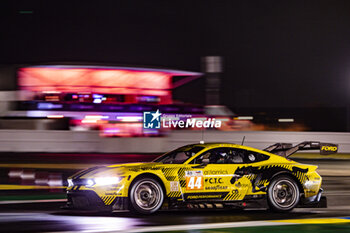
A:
89, 200
316, 201
85, 200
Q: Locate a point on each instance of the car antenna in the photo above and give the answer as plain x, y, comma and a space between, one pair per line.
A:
202, 141
243, 140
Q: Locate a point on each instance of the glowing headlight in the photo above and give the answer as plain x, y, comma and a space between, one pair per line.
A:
70, 183
89, 183
107, 180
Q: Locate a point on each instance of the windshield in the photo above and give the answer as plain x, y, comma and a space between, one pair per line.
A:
179, 155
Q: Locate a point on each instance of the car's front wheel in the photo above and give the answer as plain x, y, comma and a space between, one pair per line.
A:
283, 194
146, 196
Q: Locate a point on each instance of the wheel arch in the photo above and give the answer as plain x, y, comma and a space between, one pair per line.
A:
290, 175
148, 175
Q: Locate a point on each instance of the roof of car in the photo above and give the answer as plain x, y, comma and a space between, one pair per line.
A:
225, 144
218, 144
212, 144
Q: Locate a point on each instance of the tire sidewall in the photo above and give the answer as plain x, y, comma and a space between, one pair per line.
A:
272, 204
133, 205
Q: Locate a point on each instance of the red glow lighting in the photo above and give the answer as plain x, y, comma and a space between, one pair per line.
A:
111, 81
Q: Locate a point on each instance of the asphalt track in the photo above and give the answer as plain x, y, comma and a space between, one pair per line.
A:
48, 217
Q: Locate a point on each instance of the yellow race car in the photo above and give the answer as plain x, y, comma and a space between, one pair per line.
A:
211, 175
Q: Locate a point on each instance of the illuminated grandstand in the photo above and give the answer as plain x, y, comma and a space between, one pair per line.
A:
110, 98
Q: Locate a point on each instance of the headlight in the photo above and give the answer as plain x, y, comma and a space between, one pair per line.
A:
89, 183
70, 183
107, 180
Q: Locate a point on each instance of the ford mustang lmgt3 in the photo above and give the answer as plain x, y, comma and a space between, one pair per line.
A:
212, 175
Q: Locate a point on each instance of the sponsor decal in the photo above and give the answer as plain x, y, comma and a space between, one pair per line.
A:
174, 186
156, 120
214, 180
113, 188
234, 191
217, 187
113, 193
215, 172
329, 148
193, 173
204, 196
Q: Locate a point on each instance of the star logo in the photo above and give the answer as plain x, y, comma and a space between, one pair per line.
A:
155, 115
151, 120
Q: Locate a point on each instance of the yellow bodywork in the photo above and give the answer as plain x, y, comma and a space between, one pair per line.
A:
186, 182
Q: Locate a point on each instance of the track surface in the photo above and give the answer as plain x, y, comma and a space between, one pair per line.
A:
48, 217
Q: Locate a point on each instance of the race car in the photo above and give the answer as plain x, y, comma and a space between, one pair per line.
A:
210, 175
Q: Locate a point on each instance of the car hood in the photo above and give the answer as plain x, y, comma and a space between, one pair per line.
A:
112, 170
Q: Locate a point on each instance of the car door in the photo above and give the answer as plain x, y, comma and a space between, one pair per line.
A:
213, 176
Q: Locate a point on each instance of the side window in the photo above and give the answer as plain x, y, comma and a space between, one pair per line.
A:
253, 157
207, 157
227, 155
224, 155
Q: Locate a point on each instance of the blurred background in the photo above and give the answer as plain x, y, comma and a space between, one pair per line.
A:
76, 77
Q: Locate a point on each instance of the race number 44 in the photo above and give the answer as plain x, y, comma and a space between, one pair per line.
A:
194, 182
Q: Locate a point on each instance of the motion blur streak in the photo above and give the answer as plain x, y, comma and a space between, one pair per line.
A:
128, 224
19, 187
240, 224
45, 165
79, 223
208, 226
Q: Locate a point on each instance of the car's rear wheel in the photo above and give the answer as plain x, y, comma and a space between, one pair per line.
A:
146, 196
283, 194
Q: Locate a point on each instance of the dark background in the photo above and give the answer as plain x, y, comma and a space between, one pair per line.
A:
277, 54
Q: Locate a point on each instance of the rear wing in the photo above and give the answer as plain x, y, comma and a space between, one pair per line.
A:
287, 149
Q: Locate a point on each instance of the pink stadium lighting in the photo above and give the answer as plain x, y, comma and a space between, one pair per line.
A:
106, 80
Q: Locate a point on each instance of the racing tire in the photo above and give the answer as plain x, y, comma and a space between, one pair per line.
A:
146, 196
283, 194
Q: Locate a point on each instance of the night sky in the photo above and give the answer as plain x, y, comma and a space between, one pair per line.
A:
277, 53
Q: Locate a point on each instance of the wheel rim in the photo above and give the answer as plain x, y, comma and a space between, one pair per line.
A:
284, 193
147, 195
